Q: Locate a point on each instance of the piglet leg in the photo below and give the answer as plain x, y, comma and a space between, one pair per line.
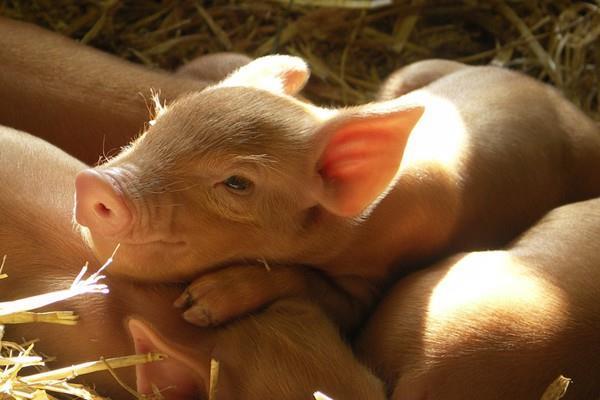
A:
223, 295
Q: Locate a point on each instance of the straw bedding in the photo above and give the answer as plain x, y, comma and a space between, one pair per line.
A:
350, 50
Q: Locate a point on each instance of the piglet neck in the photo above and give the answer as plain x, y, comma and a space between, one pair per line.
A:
401, 231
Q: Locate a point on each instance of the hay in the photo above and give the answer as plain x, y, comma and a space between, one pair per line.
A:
350, 50
47, 385
557, 389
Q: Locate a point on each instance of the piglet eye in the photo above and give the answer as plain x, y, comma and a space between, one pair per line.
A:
238, 183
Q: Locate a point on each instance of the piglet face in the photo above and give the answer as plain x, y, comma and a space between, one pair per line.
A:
240, 172
220, 177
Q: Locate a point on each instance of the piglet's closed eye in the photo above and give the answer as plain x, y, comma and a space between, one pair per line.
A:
179, 375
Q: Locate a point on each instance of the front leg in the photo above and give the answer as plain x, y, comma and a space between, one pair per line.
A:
225, 294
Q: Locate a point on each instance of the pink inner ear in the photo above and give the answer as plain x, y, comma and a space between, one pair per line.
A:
355, 150
173, 375
361, 159
294, 81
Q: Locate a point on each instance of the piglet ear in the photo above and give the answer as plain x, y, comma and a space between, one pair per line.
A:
361, 152
177, 375
277, 74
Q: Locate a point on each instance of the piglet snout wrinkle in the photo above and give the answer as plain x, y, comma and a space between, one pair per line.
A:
99, 205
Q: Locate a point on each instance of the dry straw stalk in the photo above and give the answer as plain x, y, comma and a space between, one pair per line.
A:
14, 357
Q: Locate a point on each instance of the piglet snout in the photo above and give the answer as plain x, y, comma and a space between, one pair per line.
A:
99, 205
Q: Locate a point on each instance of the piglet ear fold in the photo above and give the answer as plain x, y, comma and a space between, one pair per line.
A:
360, 155
277, 74
177, 375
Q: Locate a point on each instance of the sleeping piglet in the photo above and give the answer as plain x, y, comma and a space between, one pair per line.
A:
498, 324
245, 176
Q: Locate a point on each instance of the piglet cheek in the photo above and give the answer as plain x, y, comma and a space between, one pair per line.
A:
177, 375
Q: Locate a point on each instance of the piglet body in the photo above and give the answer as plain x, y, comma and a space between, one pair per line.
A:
86, 102
243, 171
497, 324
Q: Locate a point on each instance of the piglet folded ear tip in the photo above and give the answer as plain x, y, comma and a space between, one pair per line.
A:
293, 70
275, 73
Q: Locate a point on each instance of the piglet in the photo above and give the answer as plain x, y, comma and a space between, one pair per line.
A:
287, 352
84, 101
497, 324
241, 182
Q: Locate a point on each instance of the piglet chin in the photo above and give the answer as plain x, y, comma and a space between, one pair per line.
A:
178, 377
141, 261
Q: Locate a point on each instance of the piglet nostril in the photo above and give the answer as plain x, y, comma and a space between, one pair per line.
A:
102, 210
99, 205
